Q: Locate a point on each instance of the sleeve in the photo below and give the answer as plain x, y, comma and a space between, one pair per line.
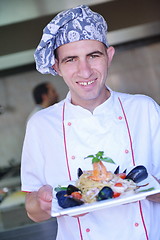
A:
155, 141
32, 161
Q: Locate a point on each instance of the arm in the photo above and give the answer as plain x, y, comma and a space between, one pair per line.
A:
155, 197
38, 204
155, 120
38, 198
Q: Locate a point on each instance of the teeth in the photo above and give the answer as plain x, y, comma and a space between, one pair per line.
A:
86, 83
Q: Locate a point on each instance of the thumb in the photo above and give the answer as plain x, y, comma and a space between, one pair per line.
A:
45, 193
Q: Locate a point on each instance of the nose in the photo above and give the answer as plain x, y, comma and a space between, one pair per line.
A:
84, 69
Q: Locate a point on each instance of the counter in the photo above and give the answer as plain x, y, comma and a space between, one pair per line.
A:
14, 222
36, 231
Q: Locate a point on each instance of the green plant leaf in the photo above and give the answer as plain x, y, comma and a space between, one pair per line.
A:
95, 159
89, 156
107, 159
99, 157
100, 154
146, 190
59, 188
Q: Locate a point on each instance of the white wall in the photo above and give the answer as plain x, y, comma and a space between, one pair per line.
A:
137, 70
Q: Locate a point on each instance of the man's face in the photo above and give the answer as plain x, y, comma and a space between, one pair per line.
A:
84, 67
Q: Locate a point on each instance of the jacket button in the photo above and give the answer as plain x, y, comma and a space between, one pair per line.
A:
120, 117
126, 151
87, 230
136, 224
69, 123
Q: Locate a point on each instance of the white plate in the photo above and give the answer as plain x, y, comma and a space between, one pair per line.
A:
89, 207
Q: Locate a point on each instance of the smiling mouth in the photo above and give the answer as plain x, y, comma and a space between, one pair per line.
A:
86, 83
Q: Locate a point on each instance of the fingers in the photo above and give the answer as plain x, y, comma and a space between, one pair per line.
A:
45, 198
154, 198
45, 193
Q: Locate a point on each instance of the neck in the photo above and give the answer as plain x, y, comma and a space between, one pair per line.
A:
44, 105
90, 105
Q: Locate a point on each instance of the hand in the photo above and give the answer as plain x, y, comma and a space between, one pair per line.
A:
44, 196
38, 204
154, 197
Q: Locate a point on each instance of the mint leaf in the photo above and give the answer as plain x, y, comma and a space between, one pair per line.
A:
107, 159
146, 190
99, 157
60, 188
100, 154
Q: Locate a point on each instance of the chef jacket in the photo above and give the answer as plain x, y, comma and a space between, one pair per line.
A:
36, 109
127, 128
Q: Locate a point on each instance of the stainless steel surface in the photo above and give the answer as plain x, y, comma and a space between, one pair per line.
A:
37, 231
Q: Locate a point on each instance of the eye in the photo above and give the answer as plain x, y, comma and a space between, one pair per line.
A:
69, 60
94, 55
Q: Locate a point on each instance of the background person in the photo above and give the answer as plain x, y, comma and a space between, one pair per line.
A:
44, 95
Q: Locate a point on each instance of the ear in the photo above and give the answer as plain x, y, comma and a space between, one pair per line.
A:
56, 67
110, 53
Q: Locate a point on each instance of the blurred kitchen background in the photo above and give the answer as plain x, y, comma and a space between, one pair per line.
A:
134, 31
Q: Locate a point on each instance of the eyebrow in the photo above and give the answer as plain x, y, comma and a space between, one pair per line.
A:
91, 53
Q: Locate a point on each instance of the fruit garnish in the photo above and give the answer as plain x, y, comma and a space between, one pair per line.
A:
116, 194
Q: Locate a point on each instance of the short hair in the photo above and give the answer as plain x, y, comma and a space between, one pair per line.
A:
38, 91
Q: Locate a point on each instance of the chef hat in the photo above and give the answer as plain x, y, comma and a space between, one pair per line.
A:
72, 25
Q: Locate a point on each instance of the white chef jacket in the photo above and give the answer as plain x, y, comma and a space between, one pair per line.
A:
36, 109
127, 128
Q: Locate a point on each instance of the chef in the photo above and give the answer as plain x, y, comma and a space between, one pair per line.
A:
91, 118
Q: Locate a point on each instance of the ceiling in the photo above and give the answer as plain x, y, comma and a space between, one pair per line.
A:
22, 21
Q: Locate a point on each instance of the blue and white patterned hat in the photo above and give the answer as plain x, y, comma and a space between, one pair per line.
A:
72, 25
